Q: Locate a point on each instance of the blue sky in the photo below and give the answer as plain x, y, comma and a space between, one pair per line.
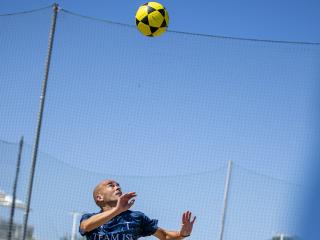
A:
120, 104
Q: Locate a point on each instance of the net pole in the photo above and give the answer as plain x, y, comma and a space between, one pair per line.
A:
15, 184
225, 198
40, 114
74, 225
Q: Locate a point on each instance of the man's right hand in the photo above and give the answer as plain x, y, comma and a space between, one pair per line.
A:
125, 201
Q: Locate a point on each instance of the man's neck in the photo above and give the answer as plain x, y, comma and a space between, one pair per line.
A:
108, 206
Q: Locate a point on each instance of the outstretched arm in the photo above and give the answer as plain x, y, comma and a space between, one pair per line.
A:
185, 230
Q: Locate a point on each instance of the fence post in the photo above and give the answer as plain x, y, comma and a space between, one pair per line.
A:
40, 114
13, 204
225, 198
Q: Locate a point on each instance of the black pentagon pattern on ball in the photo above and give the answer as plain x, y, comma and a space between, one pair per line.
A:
145, 20
164, 23
153, 29
163, 13
150, 9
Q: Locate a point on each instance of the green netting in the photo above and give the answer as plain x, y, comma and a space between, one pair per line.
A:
162, 116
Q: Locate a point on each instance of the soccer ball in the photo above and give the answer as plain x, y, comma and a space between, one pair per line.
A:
152, 19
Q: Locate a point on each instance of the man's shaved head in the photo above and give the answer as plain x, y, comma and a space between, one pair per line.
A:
106, 192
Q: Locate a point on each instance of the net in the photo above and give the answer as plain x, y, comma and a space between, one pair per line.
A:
162, 116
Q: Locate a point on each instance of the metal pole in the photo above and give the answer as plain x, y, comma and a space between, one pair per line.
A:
225, 199
281, 237
13, 204
74, 225
38, 130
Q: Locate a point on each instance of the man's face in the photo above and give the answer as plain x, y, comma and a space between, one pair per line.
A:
108, 191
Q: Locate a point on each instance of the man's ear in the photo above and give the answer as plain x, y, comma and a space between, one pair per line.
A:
99, 197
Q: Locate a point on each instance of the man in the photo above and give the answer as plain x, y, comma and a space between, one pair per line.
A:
116, 222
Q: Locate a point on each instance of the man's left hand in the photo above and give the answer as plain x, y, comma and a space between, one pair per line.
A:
187, 224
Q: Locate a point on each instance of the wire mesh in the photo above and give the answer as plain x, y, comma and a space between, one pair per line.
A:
162, 116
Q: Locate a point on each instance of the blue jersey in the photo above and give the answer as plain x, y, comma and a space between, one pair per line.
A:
129, 225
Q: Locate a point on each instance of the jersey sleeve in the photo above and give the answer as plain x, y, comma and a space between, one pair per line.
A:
149, 226
84, 217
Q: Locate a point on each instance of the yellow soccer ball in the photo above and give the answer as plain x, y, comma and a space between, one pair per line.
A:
152, 19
